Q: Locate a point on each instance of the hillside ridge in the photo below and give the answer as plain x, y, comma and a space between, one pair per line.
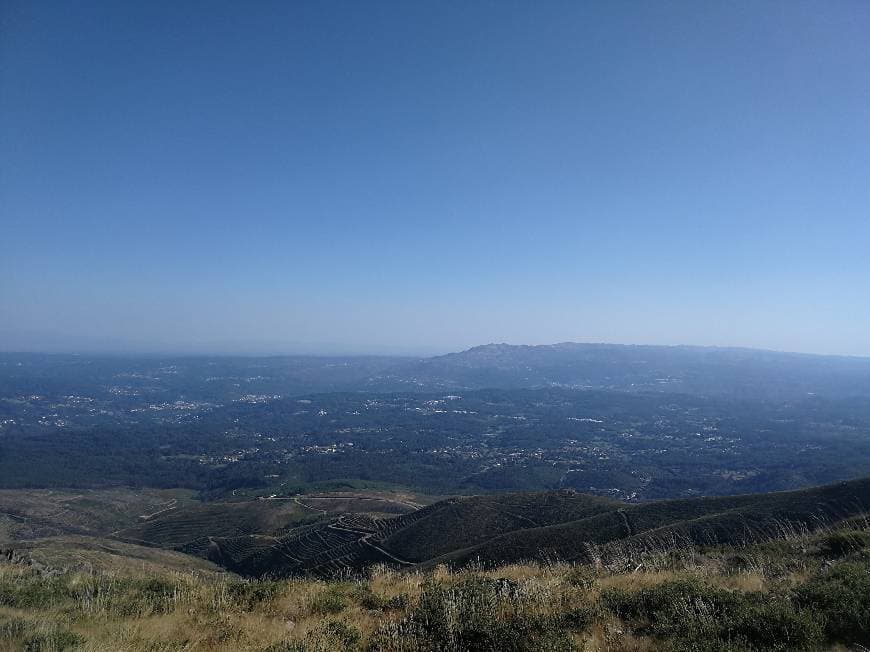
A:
495, 529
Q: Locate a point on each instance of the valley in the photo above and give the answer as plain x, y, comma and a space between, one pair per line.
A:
564, 498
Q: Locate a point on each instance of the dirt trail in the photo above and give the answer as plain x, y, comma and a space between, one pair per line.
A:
313, 509
366, 538
628, 526
414, 506
172, 505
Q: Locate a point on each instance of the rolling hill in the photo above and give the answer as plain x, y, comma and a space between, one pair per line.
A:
775, 571
492, 530
733, 520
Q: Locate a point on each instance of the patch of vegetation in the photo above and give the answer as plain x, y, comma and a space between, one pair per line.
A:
703, 606
42, 637
842, 596
52, 641
800, 587
331, 600
368, 599
477, 613
844, 542
689, 611
326, 637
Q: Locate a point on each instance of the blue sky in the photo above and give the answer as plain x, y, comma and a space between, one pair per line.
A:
426, 176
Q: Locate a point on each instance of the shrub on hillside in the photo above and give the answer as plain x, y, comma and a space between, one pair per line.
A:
690, 610
475, 614
328, 637
368, 599
53, 641
12, 629
329, 601
247, 596
842, 596
30, 590
844, 542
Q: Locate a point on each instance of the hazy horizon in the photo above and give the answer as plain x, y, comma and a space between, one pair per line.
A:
421, 178
102, 346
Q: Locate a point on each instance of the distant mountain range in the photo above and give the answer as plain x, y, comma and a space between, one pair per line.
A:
701, 371
748, 373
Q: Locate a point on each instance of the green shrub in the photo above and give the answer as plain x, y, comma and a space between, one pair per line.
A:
248, 595
31, 591
149, 596
844, 542
328, 637
476, 614
397, 602
12, 629
368, 599
330, 601
842, 597
54, 641
337, 633
690, 610
582, 577
578, 619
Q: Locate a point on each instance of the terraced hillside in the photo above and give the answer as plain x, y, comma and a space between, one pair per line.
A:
39, 513
319, 534
368, 503
191, 529
323, 550
521, 527
300, 536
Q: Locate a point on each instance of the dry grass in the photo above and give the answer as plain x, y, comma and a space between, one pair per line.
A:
518, 607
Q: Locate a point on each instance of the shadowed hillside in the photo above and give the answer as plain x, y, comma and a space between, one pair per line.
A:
465, 522
493, 530
734, 520
807, 591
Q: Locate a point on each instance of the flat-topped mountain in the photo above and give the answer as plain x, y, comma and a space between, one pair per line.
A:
738, 372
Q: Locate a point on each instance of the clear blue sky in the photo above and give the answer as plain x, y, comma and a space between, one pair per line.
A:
426, 176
